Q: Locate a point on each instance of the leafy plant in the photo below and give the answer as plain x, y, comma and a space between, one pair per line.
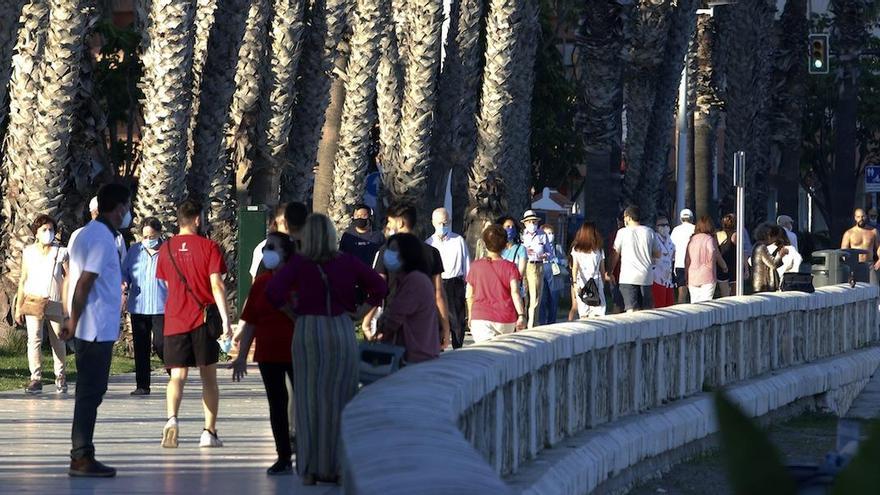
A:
755, 467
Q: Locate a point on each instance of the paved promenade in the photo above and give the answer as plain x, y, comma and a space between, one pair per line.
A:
35, 443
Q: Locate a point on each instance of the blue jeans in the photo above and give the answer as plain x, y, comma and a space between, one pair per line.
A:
549, 307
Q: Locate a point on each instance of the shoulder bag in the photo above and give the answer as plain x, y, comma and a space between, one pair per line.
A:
42, 307
797, 282
589, 293
210, 312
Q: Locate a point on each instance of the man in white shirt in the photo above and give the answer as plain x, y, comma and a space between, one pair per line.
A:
635, 248
95, 302
787, 224
538, 250
681, 236
456, 263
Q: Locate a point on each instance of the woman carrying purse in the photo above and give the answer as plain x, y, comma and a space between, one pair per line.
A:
38, 300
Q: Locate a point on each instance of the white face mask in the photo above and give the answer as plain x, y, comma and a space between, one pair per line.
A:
392, 260
531, 228
46, 237
550, 237
271, 259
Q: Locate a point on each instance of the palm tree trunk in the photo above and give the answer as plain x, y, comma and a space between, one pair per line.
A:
487, 186
746, 52
600, 42
330, 137
389, 93
457, 105
239, 135
327, 20
709, 102
849, 33
659, 139
168, 62
215, 97
273, 127
406, 180
205, 21
790, 90
24, 83
519, 174
10, 14
650, 32
358, 112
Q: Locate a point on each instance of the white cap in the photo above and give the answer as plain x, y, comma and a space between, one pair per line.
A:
686, 213
93, 204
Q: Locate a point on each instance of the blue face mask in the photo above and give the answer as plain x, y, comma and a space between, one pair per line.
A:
392, 260
151, 243
442, 230
511, 234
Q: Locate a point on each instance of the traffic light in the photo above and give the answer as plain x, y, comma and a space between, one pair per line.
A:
818, 54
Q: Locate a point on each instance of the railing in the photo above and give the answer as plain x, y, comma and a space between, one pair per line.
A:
460, 423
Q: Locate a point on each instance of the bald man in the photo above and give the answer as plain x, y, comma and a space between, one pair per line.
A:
456, 262
862, 236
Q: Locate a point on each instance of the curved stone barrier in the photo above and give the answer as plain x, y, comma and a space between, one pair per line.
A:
460, 423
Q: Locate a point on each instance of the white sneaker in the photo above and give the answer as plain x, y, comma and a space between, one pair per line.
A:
169, 434
209, 439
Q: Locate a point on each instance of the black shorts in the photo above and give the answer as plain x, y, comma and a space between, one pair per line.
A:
680, 278
194, 348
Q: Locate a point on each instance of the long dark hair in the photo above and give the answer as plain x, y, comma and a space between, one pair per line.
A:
286, 244
412, 252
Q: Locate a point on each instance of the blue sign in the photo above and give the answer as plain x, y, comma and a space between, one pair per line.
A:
371, 195
872, 178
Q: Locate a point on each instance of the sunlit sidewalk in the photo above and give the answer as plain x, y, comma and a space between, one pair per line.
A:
35, 442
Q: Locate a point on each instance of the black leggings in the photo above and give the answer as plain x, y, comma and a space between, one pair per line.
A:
276, 391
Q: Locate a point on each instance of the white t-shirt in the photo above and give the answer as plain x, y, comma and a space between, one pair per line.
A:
792, 238
636, 247
94, 250
589, 266
257, 258
44, 272
681, 236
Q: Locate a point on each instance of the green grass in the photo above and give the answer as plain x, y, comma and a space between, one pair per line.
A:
14, 372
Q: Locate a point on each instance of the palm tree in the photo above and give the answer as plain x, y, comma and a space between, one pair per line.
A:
659, 138
273, 126
322, 193
487, 187
10, 13
358, 112
24, 83
709, 104
215, 97
600, 49
327, 21
848, 35
458, 100
239, 131
389, 88
406, 180
746, 52
204, 26
649, 32
518, 176
789, 91
168, 61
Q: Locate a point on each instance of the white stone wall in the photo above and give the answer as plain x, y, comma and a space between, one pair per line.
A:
460, 423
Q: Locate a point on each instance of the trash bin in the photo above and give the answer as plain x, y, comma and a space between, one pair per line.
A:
861, 271
830, 267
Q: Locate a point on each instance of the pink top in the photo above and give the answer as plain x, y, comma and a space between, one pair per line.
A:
490, 280
701, 260
299, 282
412, 316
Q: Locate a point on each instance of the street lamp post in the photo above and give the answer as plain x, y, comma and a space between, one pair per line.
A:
739, 181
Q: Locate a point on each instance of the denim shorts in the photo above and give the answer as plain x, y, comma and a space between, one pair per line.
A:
636, 297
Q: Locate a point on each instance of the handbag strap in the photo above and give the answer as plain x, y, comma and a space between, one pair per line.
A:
189, 291
327, 288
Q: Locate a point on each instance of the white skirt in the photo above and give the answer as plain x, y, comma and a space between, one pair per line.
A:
702, 293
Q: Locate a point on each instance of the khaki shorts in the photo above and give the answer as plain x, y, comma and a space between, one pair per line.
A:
483, 330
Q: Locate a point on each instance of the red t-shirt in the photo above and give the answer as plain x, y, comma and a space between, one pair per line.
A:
490, 280
197, 258
273, 330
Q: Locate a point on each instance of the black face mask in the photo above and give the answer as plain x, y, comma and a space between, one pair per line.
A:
361, 223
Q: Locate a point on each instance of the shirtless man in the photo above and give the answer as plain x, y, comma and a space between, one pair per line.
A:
862, 236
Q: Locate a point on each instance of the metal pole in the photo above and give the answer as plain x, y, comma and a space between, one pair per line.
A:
739, 176
681, 159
